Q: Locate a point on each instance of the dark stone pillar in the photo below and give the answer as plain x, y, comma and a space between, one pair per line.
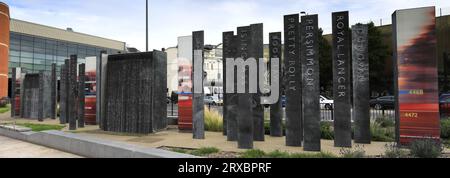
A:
98, 84
72, 98
257, 51
159, 98
227, 41
292, 79
231, 106
341, 80
53, 94
244, 116
81, 94
63, 95
198, 105
103, 82
13, 91
361, 84
276, 110
40, 101
311, 83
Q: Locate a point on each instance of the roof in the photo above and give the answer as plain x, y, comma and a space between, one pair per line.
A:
34, 29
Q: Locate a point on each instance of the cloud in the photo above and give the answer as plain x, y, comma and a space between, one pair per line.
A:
125, 20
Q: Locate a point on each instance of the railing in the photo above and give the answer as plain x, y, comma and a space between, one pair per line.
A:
326, 111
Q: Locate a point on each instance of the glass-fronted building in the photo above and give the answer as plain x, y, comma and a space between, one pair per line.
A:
35, 47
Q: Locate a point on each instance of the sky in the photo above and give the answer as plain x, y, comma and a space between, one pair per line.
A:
124, 20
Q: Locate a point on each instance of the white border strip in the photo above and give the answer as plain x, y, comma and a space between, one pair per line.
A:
5, 45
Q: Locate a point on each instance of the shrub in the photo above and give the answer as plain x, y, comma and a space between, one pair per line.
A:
205, 151
3, 102
357, 152
267, 128
393, 151
445, 128
41, 127
213, 121
426, 148
253, 154
382, 134
385, 122
281, 154
326, 130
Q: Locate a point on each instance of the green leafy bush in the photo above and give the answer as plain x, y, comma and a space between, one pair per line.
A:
382, 134
385, 122
426, 148
357, 152
326, 130
254, 153
213, 121
393, 151
445, 128
41, 127
3, 102
205, 151
281, 154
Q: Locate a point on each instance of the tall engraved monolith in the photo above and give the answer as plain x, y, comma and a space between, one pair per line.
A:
256, 51
72, 97
276, 110
244, 116
311, 83
341, 80
292, 81
361, 84
198, 105
81, 94
54, 92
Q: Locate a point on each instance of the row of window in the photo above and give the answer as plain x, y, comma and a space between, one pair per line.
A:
34, 54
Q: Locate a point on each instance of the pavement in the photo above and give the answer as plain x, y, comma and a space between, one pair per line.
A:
11, 148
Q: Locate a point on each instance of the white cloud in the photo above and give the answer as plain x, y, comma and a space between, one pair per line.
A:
125, 20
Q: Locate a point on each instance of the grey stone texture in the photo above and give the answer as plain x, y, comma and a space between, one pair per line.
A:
63, 95
54, 92
276, 110
134, 93
361, 84
13, 90
230, 113
244, 116
292, 81
256, 50
72, 106
81, 94
36, 96
198, 106
311, 84
342, 80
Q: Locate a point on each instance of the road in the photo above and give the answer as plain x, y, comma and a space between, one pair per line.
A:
11, 148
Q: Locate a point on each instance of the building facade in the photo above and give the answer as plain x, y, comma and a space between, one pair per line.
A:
35, 47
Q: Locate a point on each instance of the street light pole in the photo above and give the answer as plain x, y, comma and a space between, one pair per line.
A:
146, 25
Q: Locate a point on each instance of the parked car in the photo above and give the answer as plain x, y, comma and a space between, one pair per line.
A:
444, 105
385, 102
213, 100
326, 103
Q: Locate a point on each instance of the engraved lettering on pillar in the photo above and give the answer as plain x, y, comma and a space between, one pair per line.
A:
292, 81
341, 80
